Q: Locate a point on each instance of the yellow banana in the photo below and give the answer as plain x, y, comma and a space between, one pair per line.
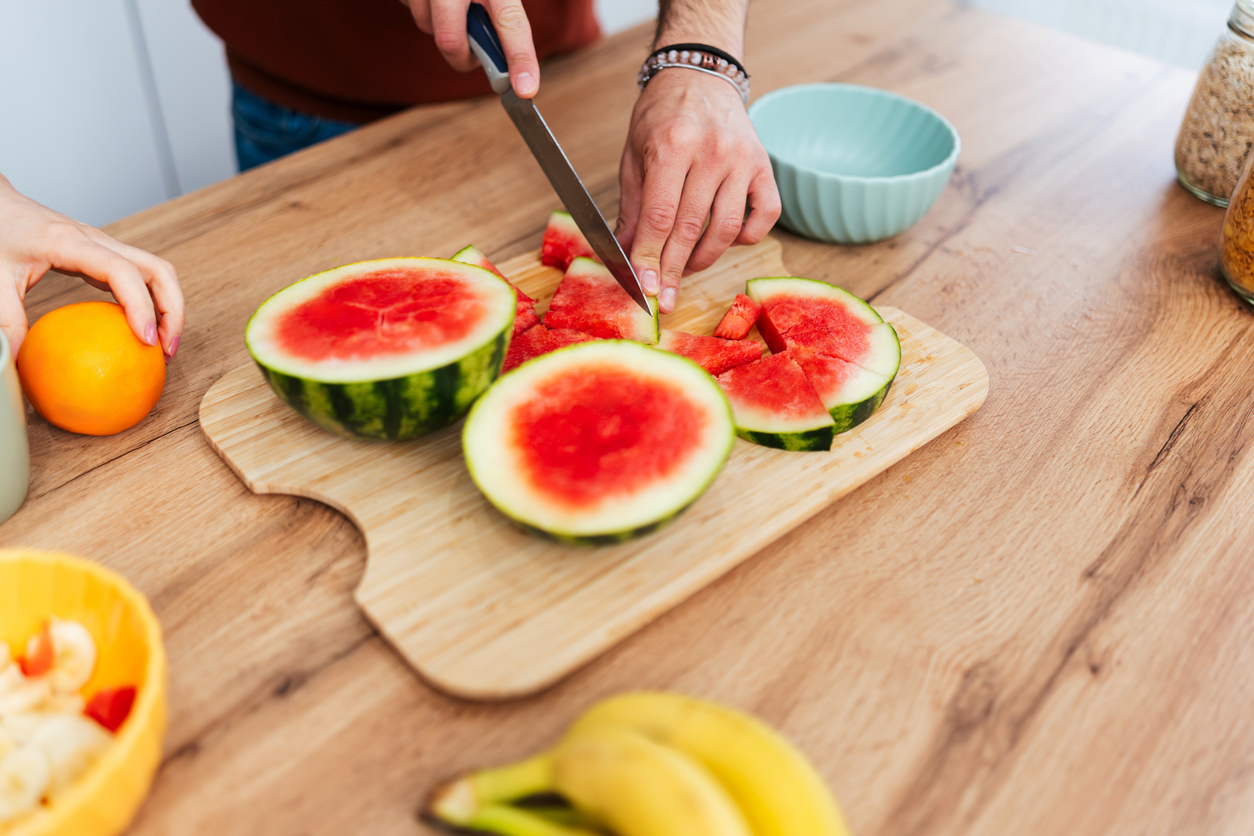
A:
777, 789
480, 801
639, 788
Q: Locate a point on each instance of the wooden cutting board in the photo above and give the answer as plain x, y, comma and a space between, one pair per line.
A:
485, 611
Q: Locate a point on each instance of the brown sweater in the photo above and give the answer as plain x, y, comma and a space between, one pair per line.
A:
358, 60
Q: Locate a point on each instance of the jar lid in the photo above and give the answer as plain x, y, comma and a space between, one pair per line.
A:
1242, 17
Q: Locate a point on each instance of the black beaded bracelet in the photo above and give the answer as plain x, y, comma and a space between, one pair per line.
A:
706, 59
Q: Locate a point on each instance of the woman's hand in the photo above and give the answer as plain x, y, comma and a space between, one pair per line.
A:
34, 239
692, 156
446, 20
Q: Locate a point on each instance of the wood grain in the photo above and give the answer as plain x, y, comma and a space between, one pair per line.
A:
485, 611
1037, 623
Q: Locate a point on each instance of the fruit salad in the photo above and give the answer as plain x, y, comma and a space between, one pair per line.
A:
49, 735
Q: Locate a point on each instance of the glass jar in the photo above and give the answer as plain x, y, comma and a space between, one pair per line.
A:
1218, 128
1236, 239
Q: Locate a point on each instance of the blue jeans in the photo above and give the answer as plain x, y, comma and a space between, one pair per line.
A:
265, 130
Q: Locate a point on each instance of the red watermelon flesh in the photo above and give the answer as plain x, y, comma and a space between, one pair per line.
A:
591, 301
387, 312
605, 431
525, 313
538, 340
563, 242
837, 382
710, 353
775, 385
740, 317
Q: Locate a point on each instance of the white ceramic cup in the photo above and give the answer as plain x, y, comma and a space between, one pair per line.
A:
14, 450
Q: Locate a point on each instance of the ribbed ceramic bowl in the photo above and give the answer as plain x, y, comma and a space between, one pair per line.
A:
34, 585
854, 164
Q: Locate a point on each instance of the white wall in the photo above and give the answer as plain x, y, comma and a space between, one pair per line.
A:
1179, 32
112, 106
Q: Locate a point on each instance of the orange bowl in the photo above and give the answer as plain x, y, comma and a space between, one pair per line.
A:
36, 585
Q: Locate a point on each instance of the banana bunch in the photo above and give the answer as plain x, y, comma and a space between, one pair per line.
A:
649, 764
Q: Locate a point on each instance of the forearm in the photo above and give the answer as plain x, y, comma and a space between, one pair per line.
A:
718, 23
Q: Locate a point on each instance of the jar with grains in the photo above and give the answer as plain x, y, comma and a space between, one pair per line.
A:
1236, 240
1218, 128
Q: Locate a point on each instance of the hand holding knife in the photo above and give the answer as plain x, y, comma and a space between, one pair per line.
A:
548, 153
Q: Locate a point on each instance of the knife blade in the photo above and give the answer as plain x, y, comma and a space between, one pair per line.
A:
552, 159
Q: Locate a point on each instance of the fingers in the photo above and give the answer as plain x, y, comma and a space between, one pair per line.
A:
163, 284
726, 221
77, 253
660, 194
764, 207
514, 30
448, 25
700, 188
12, 314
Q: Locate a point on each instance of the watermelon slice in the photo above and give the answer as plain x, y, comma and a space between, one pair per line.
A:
740, 317
591, 301
386, 349
525, 311
538, 340
563, 242
825, 319
710, 353
850, 393
598, 442
775, 406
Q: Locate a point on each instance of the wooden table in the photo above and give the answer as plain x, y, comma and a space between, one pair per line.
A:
1037, 624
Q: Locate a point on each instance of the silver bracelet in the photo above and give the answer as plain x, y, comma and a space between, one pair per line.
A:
691, 59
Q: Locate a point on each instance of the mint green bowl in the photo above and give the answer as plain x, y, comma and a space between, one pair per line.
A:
854, 164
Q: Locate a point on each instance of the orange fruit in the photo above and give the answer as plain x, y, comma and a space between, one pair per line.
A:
83, 369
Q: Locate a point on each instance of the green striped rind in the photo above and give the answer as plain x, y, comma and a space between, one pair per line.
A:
611, 539
803, 441
396, 409
849, 415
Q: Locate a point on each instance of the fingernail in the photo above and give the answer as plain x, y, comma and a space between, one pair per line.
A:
525, 84
174, 346
666, 302
168, 358
150, 333
648, 278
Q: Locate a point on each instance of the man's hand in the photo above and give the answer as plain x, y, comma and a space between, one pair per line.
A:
34, 239
446, 20
691, 156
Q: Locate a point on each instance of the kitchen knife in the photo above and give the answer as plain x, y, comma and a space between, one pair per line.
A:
544, 147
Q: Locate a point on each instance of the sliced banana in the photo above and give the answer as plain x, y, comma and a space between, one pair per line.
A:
18, 694
72, 743
25, 775
74, 655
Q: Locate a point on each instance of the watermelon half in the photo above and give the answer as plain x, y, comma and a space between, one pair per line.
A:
563, 242
775, 406
598, 442
388, 349
710, 353
825, 319
525, 310
590, 300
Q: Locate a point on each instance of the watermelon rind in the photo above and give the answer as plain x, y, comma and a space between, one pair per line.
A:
395, 398
854, 400
493, 462
768, 427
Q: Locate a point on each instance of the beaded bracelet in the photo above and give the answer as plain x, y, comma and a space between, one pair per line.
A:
706, 59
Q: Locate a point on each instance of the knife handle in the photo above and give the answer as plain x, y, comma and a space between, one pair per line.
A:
487, 47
